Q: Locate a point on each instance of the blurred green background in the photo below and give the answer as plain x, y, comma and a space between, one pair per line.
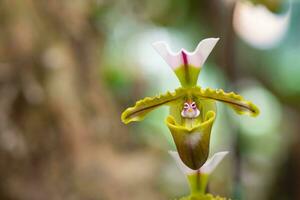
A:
69, 68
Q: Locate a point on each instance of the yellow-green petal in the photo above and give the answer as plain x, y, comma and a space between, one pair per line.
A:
235, 101
146, 105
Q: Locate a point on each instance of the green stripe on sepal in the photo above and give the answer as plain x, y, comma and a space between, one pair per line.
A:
192, 143
187, 75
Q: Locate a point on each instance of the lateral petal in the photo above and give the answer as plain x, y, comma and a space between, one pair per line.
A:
235, 101
146, 105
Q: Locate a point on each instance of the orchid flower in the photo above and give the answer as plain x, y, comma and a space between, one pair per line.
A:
198, 178
192, 108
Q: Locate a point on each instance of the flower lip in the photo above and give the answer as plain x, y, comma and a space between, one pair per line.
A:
210, 117
193, 150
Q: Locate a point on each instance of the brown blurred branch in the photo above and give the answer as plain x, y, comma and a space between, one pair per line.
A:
60, 131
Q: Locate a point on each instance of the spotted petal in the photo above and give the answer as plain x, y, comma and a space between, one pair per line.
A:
146, 105
187, 65
237, 102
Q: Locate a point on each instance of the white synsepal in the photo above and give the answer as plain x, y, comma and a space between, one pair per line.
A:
212, 163
185, 169
208, 166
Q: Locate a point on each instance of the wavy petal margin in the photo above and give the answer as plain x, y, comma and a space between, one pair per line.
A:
237, 102
146, 105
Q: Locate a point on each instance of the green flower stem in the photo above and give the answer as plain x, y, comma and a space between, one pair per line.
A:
197, 183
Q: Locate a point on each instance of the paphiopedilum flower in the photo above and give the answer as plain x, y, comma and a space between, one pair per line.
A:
192, 108
198, 178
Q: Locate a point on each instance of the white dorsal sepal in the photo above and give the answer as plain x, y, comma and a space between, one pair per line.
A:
195, 58
199, 56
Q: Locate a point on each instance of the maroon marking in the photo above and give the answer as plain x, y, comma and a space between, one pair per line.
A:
184, 57
186, 66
